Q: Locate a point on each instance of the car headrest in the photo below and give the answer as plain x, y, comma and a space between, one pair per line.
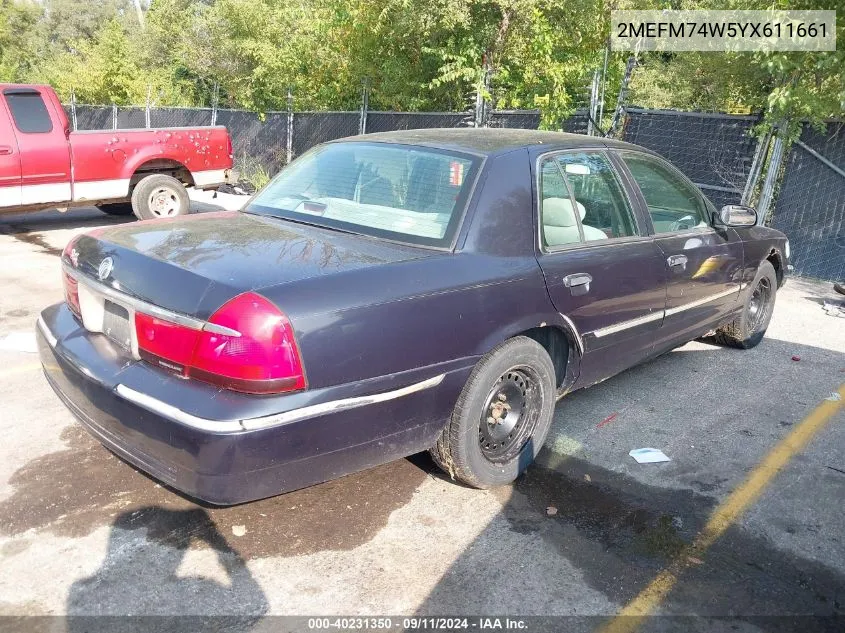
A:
558, 212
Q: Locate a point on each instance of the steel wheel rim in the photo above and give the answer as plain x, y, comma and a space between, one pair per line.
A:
164, 202
758, 305
510, 414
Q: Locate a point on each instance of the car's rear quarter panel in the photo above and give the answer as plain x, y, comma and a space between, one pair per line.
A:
443, 308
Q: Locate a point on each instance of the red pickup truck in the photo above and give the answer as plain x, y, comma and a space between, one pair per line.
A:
43, 164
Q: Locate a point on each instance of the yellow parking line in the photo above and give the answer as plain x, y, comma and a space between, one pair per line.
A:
726, 513
19, 369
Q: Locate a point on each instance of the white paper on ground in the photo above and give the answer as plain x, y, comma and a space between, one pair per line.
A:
19, 342
648, 455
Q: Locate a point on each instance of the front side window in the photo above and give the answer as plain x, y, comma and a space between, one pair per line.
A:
673, 203
401, 192
29, 112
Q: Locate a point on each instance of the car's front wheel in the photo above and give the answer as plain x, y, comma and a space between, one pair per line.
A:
502, 416
748, 329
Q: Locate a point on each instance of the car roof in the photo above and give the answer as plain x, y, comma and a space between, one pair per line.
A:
489, 141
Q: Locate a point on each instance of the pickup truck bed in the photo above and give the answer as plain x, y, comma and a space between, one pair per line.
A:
44, 165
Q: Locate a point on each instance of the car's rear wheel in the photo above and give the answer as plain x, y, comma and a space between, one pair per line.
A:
159, 196
748, 329
116, 208
502, 416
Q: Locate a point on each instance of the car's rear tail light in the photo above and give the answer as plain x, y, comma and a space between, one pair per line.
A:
263, 359
70, 284
259, 356
72, 294
165, 343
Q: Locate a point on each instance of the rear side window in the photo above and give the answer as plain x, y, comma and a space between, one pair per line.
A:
558, 222
29, 112
602, 204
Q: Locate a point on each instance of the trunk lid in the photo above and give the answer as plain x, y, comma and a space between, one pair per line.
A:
194, 264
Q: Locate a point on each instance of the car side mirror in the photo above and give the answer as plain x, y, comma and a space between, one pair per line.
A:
737, 215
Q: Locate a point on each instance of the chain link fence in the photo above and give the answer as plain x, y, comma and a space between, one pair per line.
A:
810, 207
260, 141
715, 151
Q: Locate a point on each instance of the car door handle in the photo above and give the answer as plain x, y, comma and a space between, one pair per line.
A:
5, 150
677, 260
578, 283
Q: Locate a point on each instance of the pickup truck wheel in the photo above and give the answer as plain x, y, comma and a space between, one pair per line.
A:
116, 208
160, 196
748, 329
502, 416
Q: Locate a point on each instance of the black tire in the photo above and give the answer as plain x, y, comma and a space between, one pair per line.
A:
116, 208
159, 196
747, 330
520, 367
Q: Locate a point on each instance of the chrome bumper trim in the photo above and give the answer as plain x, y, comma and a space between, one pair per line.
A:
139, 305
52, 340
252, 424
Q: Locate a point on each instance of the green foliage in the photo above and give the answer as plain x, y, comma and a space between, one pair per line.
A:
252, 170
788, 87
18, 38
416, 55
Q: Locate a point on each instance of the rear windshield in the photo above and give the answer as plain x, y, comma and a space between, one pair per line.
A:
399, 192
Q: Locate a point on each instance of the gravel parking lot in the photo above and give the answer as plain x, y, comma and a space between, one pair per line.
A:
583, 533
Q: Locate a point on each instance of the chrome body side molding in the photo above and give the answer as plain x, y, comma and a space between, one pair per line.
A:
235, 426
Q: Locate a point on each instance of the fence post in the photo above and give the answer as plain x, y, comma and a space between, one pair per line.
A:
772, 171
621, 101
479, 102
483, 89
214, 100
114, 116
289, 139
594, 102
73, 109
365, 104
603, 84
147, 108
756, 168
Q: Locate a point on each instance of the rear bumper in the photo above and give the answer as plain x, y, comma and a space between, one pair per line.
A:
239, 457
213, 178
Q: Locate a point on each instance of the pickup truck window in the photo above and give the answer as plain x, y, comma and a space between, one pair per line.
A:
29, 112
400, 192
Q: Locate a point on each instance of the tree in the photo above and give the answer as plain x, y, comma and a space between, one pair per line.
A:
18, 35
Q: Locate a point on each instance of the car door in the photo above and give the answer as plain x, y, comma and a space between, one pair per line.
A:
10, 164
44, 150
704, 262
603, 272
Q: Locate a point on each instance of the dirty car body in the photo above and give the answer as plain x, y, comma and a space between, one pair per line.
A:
384, 323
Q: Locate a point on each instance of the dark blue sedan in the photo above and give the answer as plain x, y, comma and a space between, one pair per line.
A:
388, 294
